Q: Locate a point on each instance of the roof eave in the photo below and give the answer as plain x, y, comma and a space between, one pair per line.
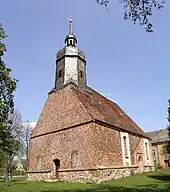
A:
119, 128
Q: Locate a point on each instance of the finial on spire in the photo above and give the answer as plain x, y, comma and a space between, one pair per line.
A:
71, 38
71, 26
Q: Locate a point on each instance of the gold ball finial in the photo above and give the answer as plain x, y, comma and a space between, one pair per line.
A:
70, 19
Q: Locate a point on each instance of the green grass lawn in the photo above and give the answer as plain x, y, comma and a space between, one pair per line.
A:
153, 181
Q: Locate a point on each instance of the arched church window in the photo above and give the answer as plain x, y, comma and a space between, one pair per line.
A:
146, 149
74, 159
125, 143
140, 158
38, 163
125, 146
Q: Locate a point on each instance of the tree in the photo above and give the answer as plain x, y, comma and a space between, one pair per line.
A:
16, 130
7, 88
9, 145
138, 11
168, 112
27, 134
167, 145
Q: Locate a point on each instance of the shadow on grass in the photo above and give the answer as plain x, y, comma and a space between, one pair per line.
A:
108, 188
165, 178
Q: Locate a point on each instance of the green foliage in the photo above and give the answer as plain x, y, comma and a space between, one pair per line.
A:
165, 149
7, 85
7, 88
14, 171
9, 143
2, 36
2, 161
24, 163
167, 144
138, 11
169, 113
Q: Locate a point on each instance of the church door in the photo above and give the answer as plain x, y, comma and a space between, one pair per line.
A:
140, 163
57, 166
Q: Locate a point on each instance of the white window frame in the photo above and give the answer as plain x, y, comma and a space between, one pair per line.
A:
126, 161
147, 161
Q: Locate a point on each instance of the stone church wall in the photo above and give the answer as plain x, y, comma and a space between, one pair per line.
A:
138, 156
84, 146
93, 175
101, 174
89, 152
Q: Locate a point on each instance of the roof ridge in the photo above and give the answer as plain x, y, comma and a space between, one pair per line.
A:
121, 110
108, 112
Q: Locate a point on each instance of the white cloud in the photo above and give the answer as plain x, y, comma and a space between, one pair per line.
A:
113, 97
31, 124
107, 94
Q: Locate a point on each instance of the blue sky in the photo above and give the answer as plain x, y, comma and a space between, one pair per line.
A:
123, 61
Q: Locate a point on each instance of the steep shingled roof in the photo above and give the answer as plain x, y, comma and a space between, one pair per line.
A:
71, 106
102, 109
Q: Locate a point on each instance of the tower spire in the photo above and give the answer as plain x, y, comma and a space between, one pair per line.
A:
71, 39
71, 26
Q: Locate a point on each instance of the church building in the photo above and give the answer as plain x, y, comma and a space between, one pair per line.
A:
82, 136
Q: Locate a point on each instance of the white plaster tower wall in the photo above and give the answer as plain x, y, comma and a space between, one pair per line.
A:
71, 74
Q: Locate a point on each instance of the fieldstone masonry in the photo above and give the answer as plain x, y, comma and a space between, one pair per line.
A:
90, 175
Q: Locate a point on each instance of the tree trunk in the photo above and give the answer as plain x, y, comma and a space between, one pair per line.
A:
7, 170
6, 176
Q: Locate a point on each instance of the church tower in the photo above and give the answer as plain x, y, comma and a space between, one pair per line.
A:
70, 63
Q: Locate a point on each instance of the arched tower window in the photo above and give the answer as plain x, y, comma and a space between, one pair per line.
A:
59, 73
71, 43
81, 74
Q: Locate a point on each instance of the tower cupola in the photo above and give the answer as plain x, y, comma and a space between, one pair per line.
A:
71, 38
